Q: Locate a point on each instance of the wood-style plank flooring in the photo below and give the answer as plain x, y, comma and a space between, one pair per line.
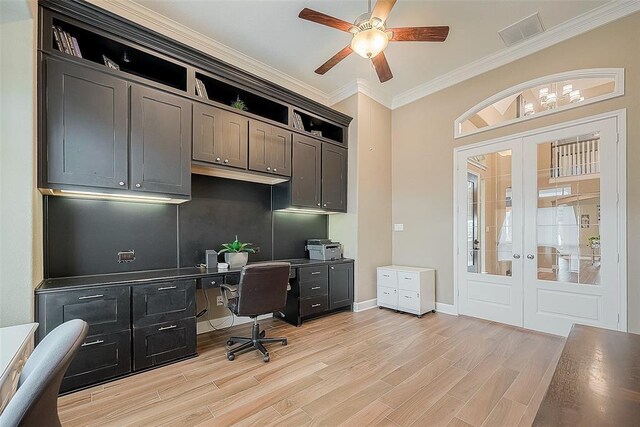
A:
371, 368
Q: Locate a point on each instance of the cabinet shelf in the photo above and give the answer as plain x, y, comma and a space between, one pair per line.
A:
225, 93
312, 123
130, 60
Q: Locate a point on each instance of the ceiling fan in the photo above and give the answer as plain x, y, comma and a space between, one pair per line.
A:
370, 36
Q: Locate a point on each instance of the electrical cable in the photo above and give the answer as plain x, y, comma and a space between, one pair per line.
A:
219, 326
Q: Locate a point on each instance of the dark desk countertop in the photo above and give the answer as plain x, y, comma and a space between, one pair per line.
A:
141, 277
596, 382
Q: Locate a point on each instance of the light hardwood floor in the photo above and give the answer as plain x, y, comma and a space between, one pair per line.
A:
371, 368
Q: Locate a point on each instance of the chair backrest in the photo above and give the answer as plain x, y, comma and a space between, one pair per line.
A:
263, 288
36, 400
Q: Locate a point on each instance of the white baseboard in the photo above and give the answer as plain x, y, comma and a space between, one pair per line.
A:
446, 308
225, 322
365, 305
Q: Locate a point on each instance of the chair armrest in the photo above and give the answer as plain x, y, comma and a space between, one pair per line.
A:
231, 289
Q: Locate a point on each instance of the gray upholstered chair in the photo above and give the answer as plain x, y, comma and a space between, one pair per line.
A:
262, 290
36, 400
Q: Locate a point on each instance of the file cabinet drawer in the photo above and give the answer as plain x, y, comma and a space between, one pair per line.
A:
99, 358
314, 305
387, 297
105, 309
313, 274
163, 301
409, 281
164, 342
313, 289
408, 300
387, 278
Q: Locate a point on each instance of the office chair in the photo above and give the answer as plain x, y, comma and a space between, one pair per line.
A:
36, 400
262, 290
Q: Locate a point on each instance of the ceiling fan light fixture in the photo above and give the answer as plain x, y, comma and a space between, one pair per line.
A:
369, 43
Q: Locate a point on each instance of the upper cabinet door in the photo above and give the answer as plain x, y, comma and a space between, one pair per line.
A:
334, 178
259, 146
207, 133
306, 173
86, 127
280, 151
235, 140
160, 142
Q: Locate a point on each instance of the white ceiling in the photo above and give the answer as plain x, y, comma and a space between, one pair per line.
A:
271, 32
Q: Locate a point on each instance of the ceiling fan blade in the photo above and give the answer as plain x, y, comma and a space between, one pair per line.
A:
382, 9
382, 67
321, 18
333, 61
419, 34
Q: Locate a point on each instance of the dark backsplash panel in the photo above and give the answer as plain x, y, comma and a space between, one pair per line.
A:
219, 209
84, 236
291, 231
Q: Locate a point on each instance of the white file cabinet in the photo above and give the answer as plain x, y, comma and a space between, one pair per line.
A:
408, 289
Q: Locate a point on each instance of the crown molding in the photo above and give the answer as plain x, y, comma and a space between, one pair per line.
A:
161, 24
362, 86
595, 18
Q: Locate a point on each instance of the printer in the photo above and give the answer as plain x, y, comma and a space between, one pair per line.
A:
324, 249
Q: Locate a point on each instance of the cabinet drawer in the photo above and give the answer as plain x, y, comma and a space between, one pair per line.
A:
99, 358
163, 302
314, 305
387, 297
157, 344
105, 309
408, 300
313, 289
409, 281
313, 274
387, 278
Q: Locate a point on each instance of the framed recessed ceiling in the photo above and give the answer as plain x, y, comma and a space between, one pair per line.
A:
541, 97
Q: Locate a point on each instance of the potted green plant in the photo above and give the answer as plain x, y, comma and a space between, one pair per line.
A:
236, 254
594, 242
239, 104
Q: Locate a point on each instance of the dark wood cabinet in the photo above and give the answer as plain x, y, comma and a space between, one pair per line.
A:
163, 342
306, 177
160, 142
269, 149
105, 309
99, 358
163, 302
334, 178
86, 130
220, 137
340, 285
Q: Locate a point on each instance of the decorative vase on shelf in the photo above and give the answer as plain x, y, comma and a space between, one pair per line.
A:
236, 259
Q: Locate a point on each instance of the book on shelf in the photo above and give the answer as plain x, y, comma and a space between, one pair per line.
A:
66, 43
297, 121
201, 89
76, 47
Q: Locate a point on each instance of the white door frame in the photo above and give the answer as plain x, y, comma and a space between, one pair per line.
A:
621, 117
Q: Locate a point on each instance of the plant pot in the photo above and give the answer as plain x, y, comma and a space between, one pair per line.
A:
236, 259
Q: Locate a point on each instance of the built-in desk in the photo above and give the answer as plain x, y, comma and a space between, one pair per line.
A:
16, 344
596, 382
145, 319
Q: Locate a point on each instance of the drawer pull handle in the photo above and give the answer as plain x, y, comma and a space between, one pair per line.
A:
385, 275
315, 272
315, 305
408, 278
91, 296
315, 287
164, 328
213, 282
407, 296
87, 344
164, 288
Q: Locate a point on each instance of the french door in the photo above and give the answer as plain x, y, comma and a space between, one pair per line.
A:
538, 242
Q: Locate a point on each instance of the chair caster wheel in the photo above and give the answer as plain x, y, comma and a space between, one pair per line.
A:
380, 307
265, 358
284, 342
230, 343
263, 334
420, 317
433, 311
230, 356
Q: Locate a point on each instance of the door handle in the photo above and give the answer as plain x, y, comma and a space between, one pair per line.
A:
164, 328
315, 305
530, 256
315, 287
315, 272
516, 256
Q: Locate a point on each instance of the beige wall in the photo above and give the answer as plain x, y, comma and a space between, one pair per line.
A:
20, 202
423, 148
366, 229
